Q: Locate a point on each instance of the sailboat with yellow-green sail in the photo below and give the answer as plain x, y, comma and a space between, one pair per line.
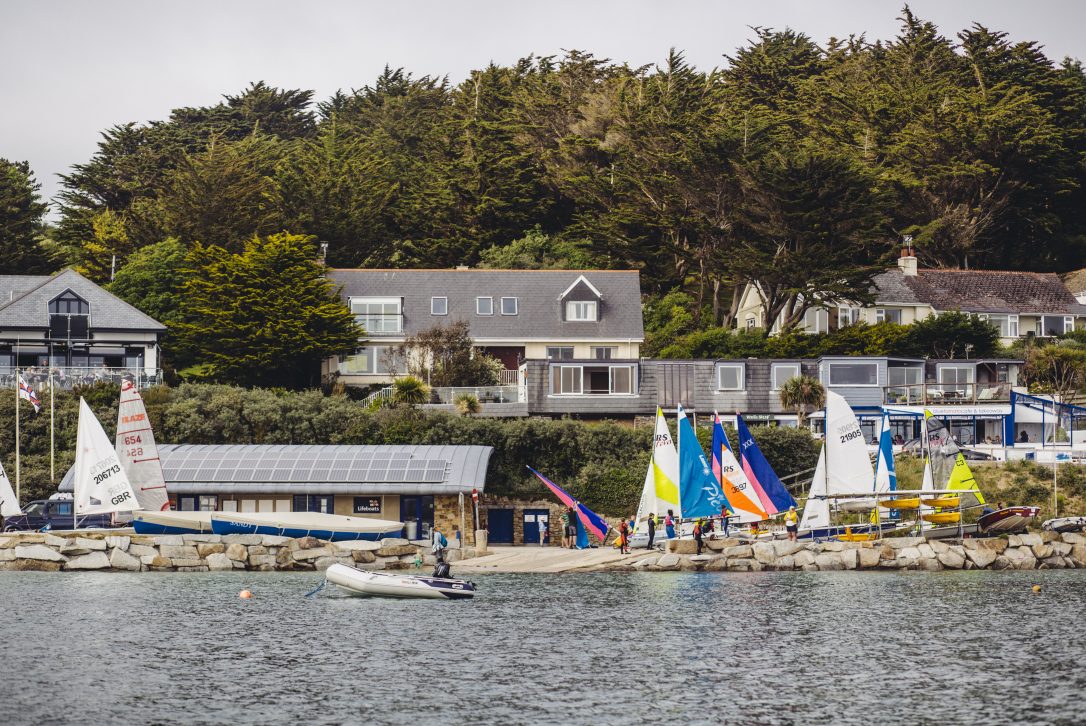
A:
661, 490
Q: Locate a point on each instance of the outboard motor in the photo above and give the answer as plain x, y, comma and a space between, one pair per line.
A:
441, 568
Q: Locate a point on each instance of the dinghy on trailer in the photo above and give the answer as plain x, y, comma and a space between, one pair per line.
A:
364, 583
1065, 524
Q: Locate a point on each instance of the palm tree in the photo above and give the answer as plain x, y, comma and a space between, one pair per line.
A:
802, 393
467, 404
410, 390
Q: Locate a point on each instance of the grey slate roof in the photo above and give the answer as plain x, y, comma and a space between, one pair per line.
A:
30, 309
539, 309
311, 469
992, 291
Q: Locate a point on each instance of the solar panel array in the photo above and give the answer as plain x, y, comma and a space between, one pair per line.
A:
299, 464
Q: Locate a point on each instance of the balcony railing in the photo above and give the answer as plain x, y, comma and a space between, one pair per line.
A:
485, 394
924, 394
65, 378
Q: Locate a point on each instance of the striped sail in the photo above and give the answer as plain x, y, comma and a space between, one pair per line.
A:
767, 485
138, 452
9, 505
885, 472
101, 485
738, 490
592, 522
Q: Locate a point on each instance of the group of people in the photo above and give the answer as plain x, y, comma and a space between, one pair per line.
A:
702, 526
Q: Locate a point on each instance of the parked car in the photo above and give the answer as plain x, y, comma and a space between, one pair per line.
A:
54, 514
913, 447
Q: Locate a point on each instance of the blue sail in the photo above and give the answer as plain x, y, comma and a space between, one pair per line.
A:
885, 472
775, 498
700, 494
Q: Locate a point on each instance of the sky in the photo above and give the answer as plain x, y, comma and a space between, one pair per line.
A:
72, 68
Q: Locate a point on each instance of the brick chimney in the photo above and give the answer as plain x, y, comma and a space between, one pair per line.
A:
907, 261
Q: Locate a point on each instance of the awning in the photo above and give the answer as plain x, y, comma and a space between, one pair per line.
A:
985, 411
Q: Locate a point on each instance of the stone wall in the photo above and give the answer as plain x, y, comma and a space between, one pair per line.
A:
447, 518
1047, 550
200, 552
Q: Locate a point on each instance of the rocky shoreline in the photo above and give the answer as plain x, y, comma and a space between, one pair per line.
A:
1046, 550
199, 553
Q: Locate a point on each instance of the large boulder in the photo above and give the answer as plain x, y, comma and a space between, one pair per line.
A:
803, 558
739, 552
121, 560
899, 543
1020, 558
185, 564
173, 540
396, 550
682, 546
310, 554
785, 563
38, 552
1060, 548
363, 556
358, 544
141, 550
1074, 538
850, 558
179, 552
669, 561
1048, 535
868, 557
1025, 540
783, 547
238, 551
255, 539
764, 552
257, 550
262, 561
273, 540
1043, 551
31, 564
210, 548
952, 560
926, 551
158, 562
52, 540
1078, 554
205, 538
394, 541
7, 555
93, 561
829, 561
119, 542
219, 562
931, 565
982, 558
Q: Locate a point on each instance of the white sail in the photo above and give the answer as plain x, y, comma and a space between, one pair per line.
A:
645, 507
844, 466
101, 486
138, 452
665, 469
9, 505
816, 510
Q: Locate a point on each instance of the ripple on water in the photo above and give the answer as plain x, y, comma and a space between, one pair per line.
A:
967, 647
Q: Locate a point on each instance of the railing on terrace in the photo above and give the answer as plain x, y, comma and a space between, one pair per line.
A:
65, 378
485, 394
923, 394
383, 394
511, 377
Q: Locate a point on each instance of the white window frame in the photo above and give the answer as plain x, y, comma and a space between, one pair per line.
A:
433, 305
817, 314
752, 323
396, 319
774, 367
917, 370
742, 379
612, 352
880, 315
940, 369
581, 311
847, 316
842, 364
577, 373
1068, 324
572, 352
516, 305
999, 320
611, 380
479, 305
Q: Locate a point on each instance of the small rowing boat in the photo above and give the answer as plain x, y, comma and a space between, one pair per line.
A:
364, 583
1065, 524
1010, 519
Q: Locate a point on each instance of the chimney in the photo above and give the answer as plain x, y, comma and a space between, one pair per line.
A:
907, 261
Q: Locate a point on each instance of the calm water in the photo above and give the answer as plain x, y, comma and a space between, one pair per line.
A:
625, 649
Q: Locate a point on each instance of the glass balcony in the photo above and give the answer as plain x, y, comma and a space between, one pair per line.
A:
924, 394
485, 394
66, 378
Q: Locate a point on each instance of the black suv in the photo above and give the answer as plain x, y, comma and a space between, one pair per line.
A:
54, 514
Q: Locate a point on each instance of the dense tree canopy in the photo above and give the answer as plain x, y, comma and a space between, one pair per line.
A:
21, 214
795, 166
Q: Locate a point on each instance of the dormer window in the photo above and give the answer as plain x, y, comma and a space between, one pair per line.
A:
69, 317
439, 306
509, 306
581, 311
484, 306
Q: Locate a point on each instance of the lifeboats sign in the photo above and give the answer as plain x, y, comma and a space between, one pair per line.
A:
367, 505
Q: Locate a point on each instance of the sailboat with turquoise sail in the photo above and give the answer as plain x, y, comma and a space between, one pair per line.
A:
700, 493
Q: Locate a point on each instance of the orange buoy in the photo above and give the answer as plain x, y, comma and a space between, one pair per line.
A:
245, 595
1036, 588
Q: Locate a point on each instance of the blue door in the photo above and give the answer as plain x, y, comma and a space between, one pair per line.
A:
535, 520
500, 524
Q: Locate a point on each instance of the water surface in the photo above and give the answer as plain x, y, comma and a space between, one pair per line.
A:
680, 648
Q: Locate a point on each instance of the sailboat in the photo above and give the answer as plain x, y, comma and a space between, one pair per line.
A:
700, 492
9, 504
742, 501
844, 467
661, 491
100, 482
767, 485
589, 520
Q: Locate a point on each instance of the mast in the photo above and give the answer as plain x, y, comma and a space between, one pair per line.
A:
18, 391
52, 431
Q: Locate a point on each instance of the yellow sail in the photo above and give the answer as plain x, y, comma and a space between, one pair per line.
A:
962, 478
941, 447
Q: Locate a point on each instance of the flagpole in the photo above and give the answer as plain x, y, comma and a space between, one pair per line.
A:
18, 378
52, 431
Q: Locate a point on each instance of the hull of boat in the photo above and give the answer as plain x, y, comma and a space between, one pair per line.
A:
171, 522
331, 527
851, 530
1065, 524
904, 503
942, 502
856, 505
1011, 519
942, 517
382, 584
952, 531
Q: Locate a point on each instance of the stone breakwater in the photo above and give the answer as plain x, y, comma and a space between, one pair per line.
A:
199, 553
1047, 550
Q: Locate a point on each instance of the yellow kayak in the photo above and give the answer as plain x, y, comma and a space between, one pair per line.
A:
858, 537
943, 502
903, 503
943, 517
